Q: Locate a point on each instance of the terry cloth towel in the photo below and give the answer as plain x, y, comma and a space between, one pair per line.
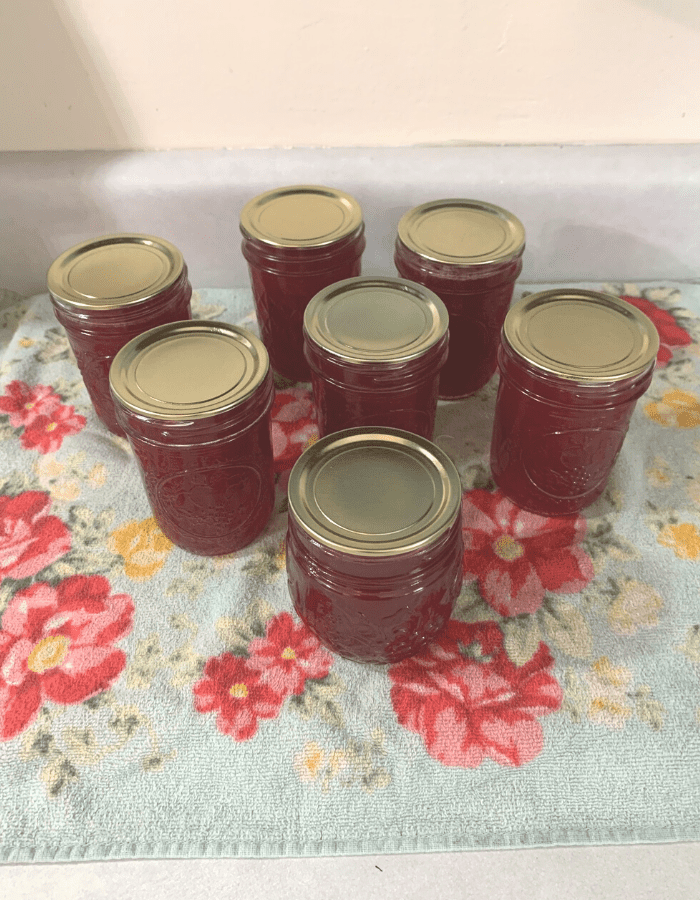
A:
154, 703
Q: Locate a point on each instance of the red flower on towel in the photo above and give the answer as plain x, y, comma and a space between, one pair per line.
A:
56, 643
46, 421
236, 692
293, 426
30, 539
46, 432
24, 404
517, 555
288, 655
468, 701
671, 335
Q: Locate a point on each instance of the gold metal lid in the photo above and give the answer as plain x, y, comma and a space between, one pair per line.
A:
302, 215
188, 370
376, 319
582, 335
462, 232
374, 492
113, 271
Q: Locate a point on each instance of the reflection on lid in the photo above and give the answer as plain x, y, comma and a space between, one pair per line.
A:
114, 271
374, 492
301, 216
376, 319
462, 232
188, 370
582, 335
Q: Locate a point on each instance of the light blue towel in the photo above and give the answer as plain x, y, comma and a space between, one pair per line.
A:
156, 704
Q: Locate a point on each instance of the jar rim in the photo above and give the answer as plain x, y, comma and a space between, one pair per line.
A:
188, 370
301, 216
375, 492
114, 271
581, 335
463, 233
378, 320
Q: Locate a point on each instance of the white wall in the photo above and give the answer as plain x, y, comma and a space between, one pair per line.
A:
81, 74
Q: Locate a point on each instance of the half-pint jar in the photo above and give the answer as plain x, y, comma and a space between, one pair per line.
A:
375, 347
374, 542
470, 254
194, 399
108, 290
572, 364
297, 240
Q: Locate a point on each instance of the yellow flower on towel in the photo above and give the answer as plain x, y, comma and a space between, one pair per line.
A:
609, 701
636, 606
677, 408
143, 546
683, 539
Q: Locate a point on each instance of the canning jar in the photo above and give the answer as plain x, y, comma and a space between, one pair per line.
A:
194, 399
572, 364
375, 347
297, 240
108, 290
374, 542
470, 253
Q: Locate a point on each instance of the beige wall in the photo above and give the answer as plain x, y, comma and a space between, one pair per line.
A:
80, 74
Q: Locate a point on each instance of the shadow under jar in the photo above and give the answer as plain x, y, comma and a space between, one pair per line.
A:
470, 254
297, 240
374, 542
194, 399
573, 364
107, 291
375, 347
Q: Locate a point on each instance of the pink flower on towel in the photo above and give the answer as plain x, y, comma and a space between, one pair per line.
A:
288, 655
671, 335
235, 691
30, 539
467, 700
293, 426
46, 432
57, 643
517, 555
24, 404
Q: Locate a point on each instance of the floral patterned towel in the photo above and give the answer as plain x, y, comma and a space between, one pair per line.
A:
154, 703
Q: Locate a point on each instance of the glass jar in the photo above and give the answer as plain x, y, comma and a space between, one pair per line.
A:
108, 290
297, 240
470, 254
374, 542
572, 364
194, 399
375, 347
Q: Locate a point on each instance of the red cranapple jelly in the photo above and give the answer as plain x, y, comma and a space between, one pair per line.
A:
297, 240
573, 364
107, 291
470, 254
194, 399
374, 542
375, 347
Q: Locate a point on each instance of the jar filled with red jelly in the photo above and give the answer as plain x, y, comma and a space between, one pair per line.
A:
470, 254
297, 240
375, 347
108, 290
194, 399
573, 364
374, 542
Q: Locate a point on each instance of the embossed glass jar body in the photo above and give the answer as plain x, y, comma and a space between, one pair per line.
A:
556, 437
387, 601
375, 347
470, 254
206, 460
109, 290
297, 240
